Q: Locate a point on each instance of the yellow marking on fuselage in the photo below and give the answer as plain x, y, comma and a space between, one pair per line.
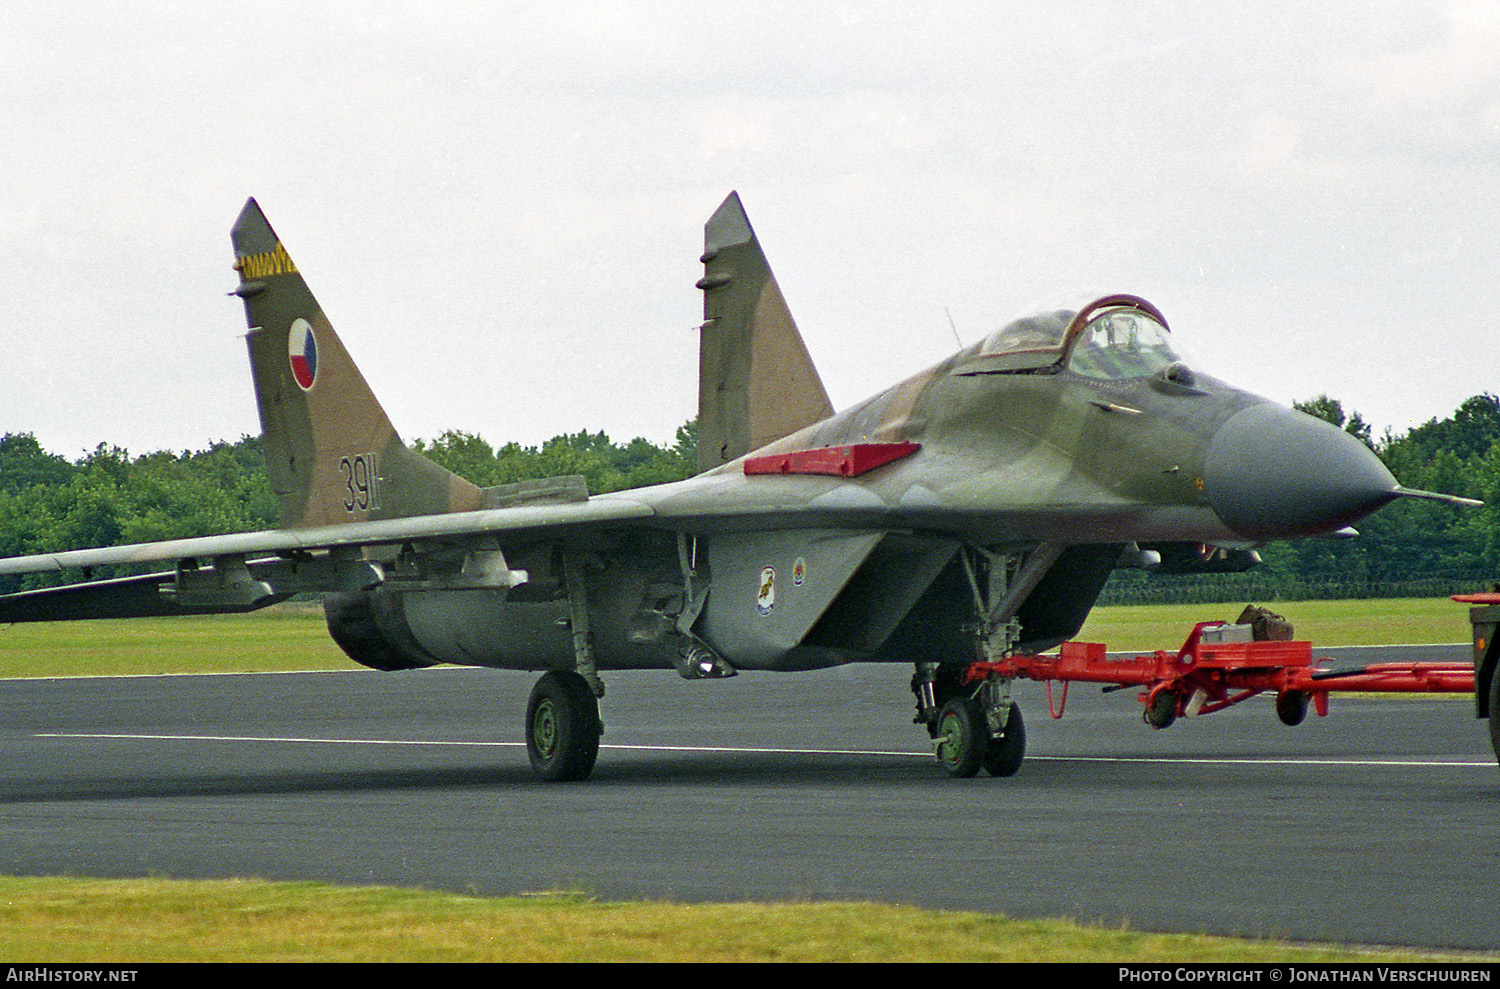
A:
276, 262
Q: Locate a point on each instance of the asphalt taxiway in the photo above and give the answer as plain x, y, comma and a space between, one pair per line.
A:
1375, 825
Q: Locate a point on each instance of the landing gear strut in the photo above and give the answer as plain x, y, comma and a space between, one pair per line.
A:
563, 727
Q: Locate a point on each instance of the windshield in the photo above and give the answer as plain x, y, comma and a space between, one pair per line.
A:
1122, 343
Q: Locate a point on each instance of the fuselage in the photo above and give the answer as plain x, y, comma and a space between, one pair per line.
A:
1081, 431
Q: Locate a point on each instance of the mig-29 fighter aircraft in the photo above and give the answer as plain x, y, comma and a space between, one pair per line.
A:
970, 512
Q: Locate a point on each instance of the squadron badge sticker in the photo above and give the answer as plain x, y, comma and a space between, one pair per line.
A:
302, 348
765, 599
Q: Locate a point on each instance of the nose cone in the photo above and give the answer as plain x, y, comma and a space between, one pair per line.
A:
1272, 473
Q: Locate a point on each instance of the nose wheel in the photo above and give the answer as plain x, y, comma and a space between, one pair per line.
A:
1003, 755
961, 737
973, 727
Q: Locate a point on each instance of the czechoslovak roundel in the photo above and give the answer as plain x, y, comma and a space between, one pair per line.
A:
302, 347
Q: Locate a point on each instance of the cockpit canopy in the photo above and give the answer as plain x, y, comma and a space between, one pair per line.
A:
1121, 342
1028, 343
1118, 336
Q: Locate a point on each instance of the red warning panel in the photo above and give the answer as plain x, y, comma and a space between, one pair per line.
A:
834, 461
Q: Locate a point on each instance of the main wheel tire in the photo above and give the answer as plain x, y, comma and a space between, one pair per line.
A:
562, 727
962, 733
1003, 755
1495, 713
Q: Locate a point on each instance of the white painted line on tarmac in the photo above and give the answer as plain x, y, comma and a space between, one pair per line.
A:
420, 742
1433, 763
268, 738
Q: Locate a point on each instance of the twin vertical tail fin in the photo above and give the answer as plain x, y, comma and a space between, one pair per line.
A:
756, 381
333, 456
331, 452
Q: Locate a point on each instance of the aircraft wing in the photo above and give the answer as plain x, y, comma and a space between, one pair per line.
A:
515, 522
245, 571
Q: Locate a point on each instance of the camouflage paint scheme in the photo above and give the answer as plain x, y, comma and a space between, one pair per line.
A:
1021, 471
1010, 458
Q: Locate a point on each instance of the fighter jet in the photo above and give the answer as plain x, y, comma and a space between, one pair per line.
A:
970, 512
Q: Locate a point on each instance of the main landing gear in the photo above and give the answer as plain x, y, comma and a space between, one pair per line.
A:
562, 717
973, 722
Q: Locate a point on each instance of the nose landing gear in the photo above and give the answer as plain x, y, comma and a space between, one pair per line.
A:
975, 726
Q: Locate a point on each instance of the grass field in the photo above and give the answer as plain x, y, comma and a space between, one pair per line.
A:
1393, 621
123, 921
285, 637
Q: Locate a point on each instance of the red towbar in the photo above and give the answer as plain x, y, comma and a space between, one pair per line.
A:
1206, 676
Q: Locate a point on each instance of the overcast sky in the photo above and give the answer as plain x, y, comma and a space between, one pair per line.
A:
501, 205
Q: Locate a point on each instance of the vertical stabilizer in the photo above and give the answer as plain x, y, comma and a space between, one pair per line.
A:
331, 452
756, 382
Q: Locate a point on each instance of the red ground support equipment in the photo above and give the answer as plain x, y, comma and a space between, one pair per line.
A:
1206, 676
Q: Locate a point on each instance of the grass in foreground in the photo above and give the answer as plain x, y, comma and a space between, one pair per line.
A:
83, 920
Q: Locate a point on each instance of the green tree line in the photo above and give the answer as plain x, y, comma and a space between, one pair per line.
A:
49, 503
605, 465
